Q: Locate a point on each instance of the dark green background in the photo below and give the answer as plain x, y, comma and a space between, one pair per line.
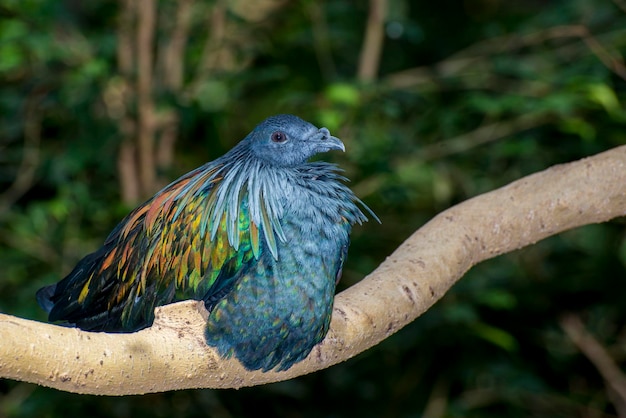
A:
493, 346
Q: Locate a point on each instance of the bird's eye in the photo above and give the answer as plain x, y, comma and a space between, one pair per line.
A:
279, 137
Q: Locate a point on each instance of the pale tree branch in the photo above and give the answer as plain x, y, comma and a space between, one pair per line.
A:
172, 353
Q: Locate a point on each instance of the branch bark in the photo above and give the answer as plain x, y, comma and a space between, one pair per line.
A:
172, 354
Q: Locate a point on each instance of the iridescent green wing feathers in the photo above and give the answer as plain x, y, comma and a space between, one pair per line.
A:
172, 247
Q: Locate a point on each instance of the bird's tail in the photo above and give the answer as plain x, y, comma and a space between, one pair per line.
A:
44, 297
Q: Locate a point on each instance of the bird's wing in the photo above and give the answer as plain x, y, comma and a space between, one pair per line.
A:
162, 251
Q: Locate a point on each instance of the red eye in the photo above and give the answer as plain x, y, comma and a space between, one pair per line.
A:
279, 137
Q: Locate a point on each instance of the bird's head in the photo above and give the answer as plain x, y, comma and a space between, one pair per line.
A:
287, 140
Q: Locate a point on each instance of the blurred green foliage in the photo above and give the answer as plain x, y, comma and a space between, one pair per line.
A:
471, 95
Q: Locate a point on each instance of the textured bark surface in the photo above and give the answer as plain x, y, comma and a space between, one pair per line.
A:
172, 354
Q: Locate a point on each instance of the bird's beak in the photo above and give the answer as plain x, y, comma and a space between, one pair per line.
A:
326, 142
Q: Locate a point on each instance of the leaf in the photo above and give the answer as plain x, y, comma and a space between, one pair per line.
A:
343, 93
498, 299
495, 336
605, 97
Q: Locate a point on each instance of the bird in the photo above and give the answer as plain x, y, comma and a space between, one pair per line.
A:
260, 235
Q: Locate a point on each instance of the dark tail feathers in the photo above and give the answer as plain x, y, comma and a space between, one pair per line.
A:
44, 297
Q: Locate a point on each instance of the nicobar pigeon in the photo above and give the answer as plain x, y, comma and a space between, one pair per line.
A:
260, 235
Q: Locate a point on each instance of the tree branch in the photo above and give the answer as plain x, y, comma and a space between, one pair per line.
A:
173, 69
482, 135
117, 98
25, 175
601, 359
172, 353
146, 23
471, 61
322, 40
372, 48
174, 50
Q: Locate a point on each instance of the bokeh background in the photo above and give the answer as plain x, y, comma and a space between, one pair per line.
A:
104, 102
